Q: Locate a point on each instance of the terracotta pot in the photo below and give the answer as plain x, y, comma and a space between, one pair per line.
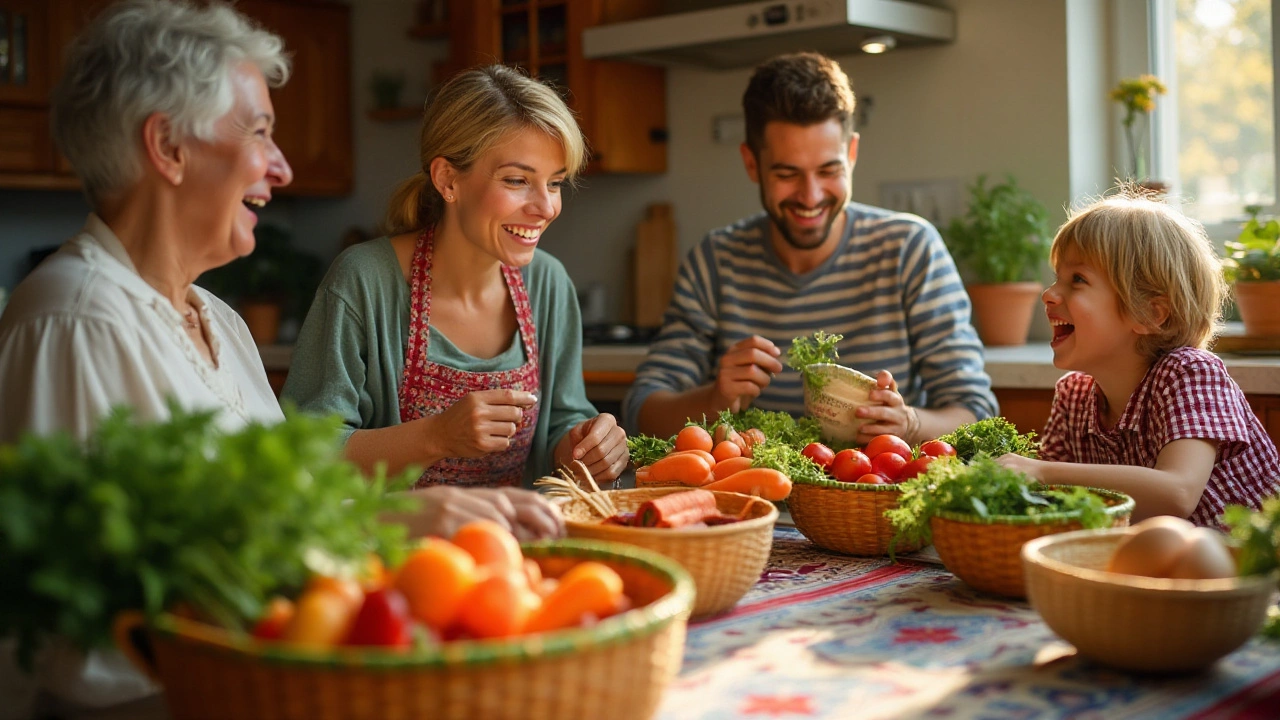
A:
1002, 311
263, 320
1259, 304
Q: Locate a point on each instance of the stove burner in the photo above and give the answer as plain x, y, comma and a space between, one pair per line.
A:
616, 334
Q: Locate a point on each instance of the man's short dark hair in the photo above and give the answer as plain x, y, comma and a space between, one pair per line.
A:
800, 88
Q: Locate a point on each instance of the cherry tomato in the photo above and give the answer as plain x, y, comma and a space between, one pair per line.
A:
275, 618
881, 444
888, 464
915, 467
849, 465
873, 479
937, 448
383, 620
820, 454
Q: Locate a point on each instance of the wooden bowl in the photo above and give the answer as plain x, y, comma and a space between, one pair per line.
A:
1139, 623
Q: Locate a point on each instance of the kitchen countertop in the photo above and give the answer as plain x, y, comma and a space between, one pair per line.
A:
1027, 366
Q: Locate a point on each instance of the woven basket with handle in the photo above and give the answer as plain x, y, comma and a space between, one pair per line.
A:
616, 669
986, 552
846, 517
724, 560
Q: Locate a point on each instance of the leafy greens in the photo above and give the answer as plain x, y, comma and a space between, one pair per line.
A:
149, 515
821, 348
994, 436
1258, 535
986, 489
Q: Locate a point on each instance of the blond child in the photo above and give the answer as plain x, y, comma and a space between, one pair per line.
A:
1147, 411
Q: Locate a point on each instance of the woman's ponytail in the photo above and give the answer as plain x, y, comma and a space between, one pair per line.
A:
414, 205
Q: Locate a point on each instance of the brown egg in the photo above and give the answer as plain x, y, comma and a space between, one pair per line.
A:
1152, 547
1205, 558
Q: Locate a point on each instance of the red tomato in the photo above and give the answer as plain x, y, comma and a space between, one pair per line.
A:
383, 620
937, 448
873, 479
881, 444
888, 464
915, 467
820, 454
274, 619
849, 465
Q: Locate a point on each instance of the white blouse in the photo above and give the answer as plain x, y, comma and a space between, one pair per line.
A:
83, 333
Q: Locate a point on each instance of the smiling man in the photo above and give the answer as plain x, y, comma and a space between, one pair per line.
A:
813, 260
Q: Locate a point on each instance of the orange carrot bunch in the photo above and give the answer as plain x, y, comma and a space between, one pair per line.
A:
720, 462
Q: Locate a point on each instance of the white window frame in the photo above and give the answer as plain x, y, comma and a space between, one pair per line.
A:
1163, 127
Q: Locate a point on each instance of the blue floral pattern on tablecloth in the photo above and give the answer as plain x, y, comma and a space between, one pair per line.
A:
829, 636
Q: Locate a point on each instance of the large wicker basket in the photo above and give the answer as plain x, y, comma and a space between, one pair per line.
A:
617, 669
986, 553
846, 517
724, 560
1139, 623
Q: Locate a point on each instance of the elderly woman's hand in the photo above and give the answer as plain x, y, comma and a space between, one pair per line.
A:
892, 416
599, 443
446, 508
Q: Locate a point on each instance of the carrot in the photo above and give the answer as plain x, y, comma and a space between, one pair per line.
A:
711, 459
589, 588
725, 468
677, 509
725, 450
764, 482
694, 438
687, 468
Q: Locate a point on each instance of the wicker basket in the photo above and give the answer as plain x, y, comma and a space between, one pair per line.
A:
617, 669
1139, 623
985, 552
724, 560
846, 517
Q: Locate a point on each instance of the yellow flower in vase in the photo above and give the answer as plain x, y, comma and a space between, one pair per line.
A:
1137, 95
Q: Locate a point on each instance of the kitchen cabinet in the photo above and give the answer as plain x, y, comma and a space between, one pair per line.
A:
313, 126
621, 106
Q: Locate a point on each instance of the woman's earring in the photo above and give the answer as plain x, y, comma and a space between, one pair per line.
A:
448, 198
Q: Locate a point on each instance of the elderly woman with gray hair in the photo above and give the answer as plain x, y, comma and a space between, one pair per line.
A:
164, 113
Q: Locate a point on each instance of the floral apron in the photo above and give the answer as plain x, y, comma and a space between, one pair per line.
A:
428, 388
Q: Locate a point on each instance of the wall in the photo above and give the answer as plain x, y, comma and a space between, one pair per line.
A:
994, 101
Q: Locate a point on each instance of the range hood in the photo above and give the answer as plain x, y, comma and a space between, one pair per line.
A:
744, 34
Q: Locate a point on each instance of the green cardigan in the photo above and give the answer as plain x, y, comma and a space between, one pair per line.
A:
349, 358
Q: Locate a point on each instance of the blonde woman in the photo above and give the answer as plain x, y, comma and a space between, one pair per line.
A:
455, 344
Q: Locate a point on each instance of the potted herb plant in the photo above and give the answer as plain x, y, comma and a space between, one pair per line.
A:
1002, 240
273, 283
1253, 267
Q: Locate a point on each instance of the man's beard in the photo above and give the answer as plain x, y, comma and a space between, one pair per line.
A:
780, 222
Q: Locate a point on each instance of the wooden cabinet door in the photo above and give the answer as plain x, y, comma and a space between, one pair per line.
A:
24, 52
313, 109
25, 145
1267, 408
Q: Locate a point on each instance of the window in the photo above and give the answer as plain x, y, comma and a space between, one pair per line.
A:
1214, 132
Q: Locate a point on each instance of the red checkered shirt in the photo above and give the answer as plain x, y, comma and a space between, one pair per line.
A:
1186, 394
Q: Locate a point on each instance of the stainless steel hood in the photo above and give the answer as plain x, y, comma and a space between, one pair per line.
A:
744, 34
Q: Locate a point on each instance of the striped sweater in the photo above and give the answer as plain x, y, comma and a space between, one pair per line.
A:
890, 288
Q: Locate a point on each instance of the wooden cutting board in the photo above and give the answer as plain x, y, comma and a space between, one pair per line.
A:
653, 267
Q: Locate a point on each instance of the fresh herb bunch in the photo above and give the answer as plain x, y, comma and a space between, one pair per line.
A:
986, 489
786, 459
1004, 235
1258, 534
1254, 256
646, 450
821, 348
994, 436
778, 426
149, 515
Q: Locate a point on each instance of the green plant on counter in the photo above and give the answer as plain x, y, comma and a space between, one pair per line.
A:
821, 348
1254, 256
275, 271
1003, 236
983, 488
149, 515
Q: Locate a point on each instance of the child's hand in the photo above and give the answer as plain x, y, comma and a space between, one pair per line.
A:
1031, 468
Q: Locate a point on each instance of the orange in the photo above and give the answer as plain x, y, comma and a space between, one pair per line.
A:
490, 544
499, 606
320, 619
589, 588
435, 579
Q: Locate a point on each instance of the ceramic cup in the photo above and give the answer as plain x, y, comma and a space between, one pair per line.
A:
843, 392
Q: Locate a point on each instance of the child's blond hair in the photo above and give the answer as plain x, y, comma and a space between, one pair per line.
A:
1147, 250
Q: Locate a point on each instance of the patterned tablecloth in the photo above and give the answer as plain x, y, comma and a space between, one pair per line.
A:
829, 636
